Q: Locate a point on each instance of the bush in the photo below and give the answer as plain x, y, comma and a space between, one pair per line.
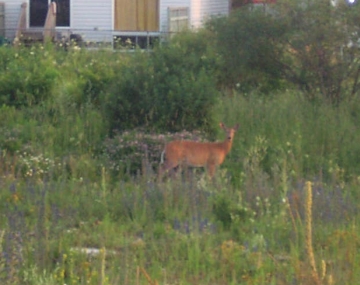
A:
247, 42
88, 74
170, 89
27, 76
134, 150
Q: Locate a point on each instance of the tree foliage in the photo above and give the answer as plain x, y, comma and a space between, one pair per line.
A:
248, 44
311, 45
322, 48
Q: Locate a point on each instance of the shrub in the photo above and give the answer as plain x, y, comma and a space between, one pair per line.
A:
11, 140
247, 42
170, 89
134, 150
92, 74
27, 76
85, 76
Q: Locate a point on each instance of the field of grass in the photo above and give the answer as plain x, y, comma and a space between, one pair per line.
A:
78, 206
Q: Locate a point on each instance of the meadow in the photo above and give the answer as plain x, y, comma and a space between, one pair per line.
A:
81, 134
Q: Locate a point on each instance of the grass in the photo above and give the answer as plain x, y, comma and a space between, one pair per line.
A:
70, 214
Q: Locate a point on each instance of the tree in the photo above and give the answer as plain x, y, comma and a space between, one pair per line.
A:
312, 45
321, 48
247, 42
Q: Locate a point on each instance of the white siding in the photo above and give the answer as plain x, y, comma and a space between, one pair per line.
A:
90, 18
201, 10
93, 19
12, 12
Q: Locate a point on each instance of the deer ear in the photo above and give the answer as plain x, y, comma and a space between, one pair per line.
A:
221, 124
236, 127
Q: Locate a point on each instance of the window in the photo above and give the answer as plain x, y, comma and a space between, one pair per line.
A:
63, 13
178, 19
39, 9
2, 19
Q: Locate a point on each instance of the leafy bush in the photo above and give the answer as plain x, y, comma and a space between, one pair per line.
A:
247, 42
10, 140
134, 150
27, 76
84, 78
91, 73
170, 89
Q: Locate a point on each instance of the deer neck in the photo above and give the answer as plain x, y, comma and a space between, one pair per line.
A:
227, 144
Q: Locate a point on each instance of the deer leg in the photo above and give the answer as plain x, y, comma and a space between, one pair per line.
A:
211, 167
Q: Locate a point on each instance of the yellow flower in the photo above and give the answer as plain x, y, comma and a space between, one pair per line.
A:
229, 248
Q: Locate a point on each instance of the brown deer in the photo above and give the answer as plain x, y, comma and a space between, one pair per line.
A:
197, 154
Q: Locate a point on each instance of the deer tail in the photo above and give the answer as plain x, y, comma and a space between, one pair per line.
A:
162, 157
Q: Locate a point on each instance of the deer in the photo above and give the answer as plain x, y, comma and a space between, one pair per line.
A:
197, 154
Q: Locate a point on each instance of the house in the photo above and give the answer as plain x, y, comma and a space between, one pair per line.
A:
235, 4
102, 21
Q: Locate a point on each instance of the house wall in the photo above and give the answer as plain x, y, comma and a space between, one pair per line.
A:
93, 19
201, 10
12, 11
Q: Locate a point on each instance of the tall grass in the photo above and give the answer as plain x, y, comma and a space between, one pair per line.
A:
68, 217
315, 139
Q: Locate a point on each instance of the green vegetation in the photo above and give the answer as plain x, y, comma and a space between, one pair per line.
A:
81, 134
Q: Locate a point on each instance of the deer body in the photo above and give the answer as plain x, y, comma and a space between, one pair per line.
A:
198, 154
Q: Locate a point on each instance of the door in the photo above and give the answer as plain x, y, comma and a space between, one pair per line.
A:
136, 15
39, 8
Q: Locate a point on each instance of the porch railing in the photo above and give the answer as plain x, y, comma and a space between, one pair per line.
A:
50, 23
21, 24
48, 33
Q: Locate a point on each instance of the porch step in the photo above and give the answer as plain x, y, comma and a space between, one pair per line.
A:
30, 37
